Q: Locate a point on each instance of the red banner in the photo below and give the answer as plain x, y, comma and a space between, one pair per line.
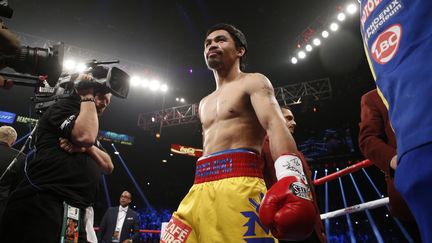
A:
185, 150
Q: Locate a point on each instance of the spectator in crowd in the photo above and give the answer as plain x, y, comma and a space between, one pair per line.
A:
11, 178
120, 224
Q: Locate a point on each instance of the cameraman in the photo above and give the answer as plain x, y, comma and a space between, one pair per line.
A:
9, 45
66, 168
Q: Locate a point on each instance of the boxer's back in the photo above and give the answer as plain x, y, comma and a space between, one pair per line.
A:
228, 119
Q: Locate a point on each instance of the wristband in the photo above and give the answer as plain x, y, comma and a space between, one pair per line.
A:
289, 165
88, 99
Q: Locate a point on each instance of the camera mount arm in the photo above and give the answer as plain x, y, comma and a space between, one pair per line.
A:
24, 80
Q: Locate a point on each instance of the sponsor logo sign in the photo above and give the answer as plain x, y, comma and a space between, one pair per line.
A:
386, 45
7, 117
175, 232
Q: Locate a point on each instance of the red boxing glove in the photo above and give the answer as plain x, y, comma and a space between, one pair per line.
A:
287, 209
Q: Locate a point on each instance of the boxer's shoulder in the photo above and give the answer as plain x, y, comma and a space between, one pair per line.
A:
256, 82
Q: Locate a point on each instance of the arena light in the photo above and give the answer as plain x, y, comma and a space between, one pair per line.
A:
164, 88
308, 48
316, 42
325, 34
293, 60
144, 83
154, 85
164, 161
341, 17
351, 8
80, 67
135, 81
180, 99
301, 54
69, 65
334, 26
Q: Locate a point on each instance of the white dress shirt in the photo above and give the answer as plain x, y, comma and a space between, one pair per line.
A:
121, 218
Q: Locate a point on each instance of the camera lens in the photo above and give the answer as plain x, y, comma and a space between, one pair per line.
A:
39, 61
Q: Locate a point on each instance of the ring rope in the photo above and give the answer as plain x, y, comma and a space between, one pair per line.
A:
347, 170
356, 208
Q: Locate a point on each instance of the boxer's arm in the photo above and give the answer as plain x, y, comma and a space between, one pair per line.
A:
202, 125
270, 116
287, 208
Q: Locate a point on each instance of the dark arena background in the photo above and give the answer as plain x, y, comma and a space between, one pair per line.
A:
321, 76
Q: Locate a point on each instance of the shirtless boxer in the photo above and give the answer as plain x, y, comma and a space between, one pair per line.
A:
226, 202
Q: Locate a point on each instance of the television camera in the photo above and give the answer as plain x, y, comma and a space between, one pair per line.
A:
42, 68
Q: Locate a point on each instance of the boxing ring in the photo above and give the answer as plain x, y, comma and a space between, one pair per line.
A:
363, 206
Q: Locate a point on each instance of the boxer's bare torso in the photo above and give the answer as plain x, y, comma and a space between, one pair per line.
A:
228, 118
243, 107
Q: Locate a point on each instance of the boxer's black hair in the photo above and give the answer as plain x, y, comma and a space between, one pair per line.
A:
237, 35
285, 107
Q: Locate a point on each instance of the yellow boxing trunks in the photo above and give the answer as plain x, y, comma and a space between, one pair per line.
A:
223, 203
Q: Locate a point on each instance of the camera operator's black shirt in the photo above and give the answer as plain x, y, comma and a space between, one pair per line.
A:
74, 177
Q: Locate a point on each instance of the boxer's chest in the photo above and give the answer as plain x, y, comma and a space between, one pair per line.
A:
224, 104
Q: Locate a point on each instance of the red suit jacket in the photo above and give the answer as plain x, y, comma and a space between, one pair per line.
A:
377, 142
270, 178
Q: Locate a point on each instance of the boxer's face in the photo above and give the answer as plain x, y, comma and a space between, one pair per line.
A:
102, 101
220, 49
289, 119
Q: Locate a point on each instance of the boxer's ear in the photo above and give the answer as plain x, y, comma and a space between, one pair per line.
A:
241, 51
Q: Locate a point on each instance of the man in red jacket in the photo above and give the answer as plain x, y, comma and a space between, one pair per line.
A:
318, 234
377, 142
